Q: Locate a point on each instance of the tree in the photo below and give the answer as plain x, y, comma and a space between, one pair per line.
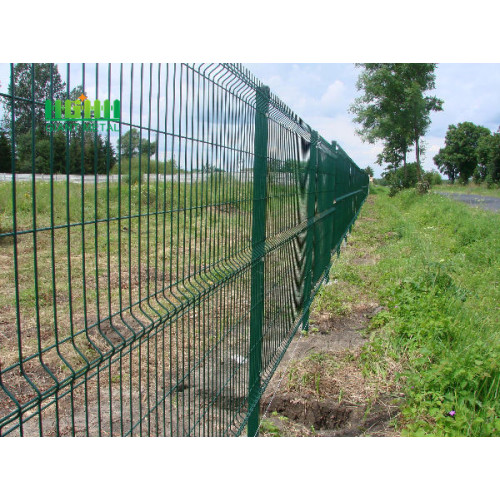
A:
148, 148
488, 157
419, 78
378, 111
433, 178
459, 157
35, 83
446, 166
5, 153
369, 171
394, 154
131, 143
97, 153
30, 85
395, 110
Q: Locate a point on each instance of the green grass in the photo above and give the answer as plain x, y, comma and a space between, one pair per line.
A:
129, 250
269, 429
472, 188
437, 276
73, 204
157, 235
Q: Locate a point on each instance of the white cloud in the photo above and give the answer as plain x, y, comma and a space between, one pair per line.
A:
333, 95
343, 130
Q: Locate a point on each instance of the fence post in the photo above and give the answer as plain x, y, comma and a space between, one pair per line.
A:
311, 207
258, 255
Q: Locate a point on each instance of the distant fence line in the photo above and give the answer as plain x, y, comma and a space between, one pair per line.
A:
161, 304
91, 179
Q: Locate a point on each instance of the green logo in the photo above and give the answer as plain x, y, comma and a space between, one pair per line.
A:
82, 109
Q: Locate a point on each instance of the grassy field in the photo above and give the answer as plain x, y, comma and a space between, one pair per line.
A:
436, 273
103, 266
90, 275
471, 188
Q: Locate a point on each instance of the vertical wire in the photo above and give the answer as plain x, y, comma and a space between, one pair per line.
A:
173, 397
184, 98
156, 243
129, 246
108, 263
96, 252
191, 207
52, 257
15, 248
35, 245
164, 242
68, 256
139, 246
148, 230
119, 237
83, 249
203, 215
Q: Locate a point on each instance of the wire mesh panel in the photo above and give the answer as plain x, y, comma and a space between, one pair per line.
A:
163, 231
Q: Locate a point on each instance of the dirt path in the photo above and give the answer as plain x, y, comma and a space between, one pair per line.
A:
323, 391
486, 202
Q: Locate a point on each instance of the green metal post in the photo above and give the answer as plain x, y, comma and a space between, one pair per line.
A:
258, 241
311, 207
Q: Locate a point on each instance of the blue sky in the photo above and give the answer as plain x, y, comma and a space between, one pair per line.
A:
321, 95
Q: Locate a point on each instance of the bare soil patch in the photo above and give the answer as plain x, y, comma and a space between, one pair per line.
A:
321, 389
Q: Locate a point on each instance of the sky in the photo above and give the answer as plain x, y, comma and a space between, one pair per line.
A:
322, 93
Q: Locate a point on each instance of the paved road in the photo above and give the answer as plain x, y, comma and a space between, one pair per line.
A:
486, 202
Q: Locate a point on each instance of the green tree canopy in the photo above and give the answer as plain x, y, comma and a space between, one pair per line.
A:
394, 108
5, 153
459, 157
35, 83
131, 143
488, 156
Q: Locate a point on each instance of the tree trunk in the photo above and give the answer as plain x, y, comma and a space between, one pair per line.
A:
405, 172
417, 155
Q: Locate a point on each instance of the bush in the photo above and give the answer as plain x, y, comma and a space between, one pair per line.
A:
433, 178
489, 181
401, 178
422, 186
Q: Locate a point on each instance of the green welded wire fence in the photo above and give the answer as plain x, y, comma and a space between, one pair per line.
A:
160, 249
